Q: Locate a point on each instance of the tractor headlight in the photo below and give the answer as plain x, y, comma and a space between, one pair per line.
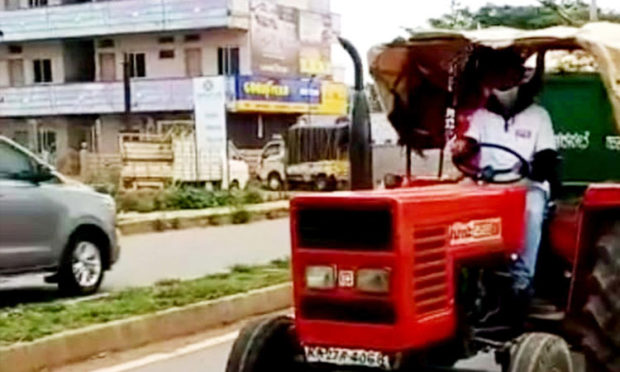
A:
373, 280
321, 277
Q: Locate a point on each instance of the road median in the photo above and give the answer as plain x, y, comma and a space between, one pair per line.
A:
138, 223
44, 336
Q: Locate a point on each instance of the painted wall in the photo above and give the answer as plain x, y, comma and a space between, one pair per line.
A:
157, 68
52, 50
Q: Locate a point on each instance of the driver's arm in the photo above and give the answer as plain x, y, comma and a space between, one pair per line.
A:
464, 150
546, 160
465, 147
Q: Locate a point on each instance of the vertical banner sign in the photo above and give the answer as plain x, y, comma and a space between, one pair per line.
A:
211, 138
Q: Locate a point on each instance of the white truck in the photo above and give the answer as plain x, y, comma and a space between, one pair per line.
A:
310, 155
157, 160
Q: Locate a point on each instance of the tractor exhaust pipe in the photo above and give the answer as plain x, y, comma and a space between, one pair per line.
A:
360, 150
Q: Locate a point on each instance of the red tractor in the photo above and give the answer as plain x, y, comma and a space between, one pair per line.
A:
398, 279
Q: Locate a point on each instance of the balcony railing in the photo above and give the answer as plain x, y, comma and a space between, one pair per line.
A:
96, 98
121, 17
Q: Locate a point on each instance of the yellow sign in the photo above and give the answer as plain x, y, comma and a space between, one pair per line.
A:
334, 101
334, 98
314, 66
268, 89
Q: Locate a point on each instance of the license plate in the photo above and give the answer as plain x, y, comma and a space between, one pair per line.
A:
348, 357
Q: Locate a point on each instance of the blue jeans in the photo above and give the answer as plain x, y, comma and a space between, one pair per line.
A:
524, 267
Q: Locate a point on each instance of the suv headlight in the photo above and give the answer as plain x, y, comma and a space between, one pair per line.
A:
373, 280
321, 277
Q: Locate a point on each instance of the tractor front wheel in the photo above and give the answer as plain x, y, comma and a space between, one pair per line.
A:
266, 345
602, 334
540, 352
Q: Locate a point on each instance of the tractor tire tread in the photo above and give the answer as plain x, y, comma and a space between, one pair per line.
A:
601, 339
252, 341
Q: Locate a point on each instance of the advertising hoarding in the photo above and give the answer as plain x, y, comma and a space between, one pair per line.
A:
290, 42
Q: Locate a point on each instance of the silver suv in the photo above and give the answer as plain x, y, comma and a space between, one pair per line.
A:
49, 223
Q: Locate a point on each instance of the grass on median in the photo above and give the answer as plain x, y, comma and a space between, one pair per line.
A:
33, 321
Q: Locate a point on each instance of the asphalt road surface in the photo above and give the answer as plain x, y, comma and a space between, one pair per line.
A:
183, 254
202, 353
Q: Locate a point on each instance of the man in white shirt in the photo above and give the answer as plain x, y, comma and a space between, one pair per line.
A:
512, 119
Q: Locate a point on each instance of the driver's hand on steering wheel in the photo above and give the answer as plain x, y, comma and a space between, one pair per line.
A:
464, 148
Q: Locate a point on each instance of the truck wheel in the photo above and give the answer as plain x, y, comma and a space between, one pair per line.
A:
321, 183
266, 345
81, 270
602, 333
234, 185
274, 182
540, 352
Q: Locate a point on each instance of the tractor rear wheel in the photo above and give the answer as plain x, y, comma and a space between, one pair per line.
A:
540, 352
602, 335
265, 345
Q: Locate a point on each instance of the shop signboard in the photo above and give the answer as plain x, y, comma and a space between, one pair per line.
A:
211, 137
287, 41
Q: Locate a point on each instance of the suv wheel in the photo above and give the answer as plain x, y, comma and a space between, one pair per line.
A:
81, 271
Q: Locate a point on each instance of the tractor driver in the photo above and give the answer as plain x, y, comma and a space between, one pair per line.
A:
511, 118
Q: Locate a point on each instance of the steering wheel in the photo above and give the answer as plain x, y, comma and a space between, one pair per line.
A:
488, 173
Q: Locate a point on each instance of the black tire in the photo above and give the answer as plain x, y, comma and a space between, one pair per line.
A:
274, 182
266, 345
234, 185
601, 339
68, 283
321, 183
540, 352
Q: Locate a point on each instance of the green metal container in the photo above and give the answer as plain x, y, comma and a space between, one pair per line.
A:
585, 128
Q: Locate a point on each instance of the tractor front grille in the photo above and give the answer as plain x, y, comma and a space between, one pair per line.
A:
430, 275
345, 229
349, 311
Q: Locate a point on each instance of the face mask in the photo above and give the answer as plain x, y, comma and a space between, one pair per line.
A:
507, 98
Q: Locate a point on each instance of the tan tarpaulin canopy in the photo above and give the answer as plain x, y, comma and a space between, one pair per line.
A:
418, 73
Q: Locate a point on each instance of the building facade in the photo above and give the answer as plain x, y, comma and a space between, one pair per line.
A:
64, 66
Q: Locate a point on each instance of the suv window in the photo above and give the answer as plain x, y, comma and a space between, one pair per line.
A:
13, 162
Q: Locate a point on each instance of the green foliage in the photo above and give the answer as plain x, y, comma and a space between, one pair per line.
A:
184, 198
240, 216
33, 321
549, 13
252, 196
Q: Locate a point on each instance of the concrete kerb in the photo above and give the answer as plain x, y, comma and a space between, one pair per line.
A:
138, 223
81, 344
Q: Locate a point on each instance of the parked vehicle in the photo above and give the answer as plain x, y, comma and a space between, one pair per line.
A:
50, 224
157, 160
408, 279
314, 155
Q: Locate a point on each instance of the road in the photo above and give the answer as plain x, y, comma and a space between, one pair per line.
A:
182, 254
207, 352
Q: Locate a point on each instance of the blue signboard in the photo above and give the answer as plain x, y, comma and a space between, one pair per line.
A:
256, 88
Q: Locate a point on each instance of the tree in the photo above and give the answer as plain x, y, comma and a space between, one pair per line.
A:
548, 13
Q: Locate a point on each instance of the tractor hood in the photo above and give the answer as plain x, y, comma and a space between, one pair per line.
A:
418, 79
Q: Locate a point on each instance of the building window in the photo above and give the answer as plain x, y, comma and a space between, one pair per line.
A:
137, 65
228, 61
166, 40
192, 37
42, 70
166, 54
106, 43
37, 3
15, 49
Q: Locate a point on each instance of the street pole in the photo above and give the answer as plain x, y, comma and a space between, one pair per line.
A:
593, 11
360, 150
127, 84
